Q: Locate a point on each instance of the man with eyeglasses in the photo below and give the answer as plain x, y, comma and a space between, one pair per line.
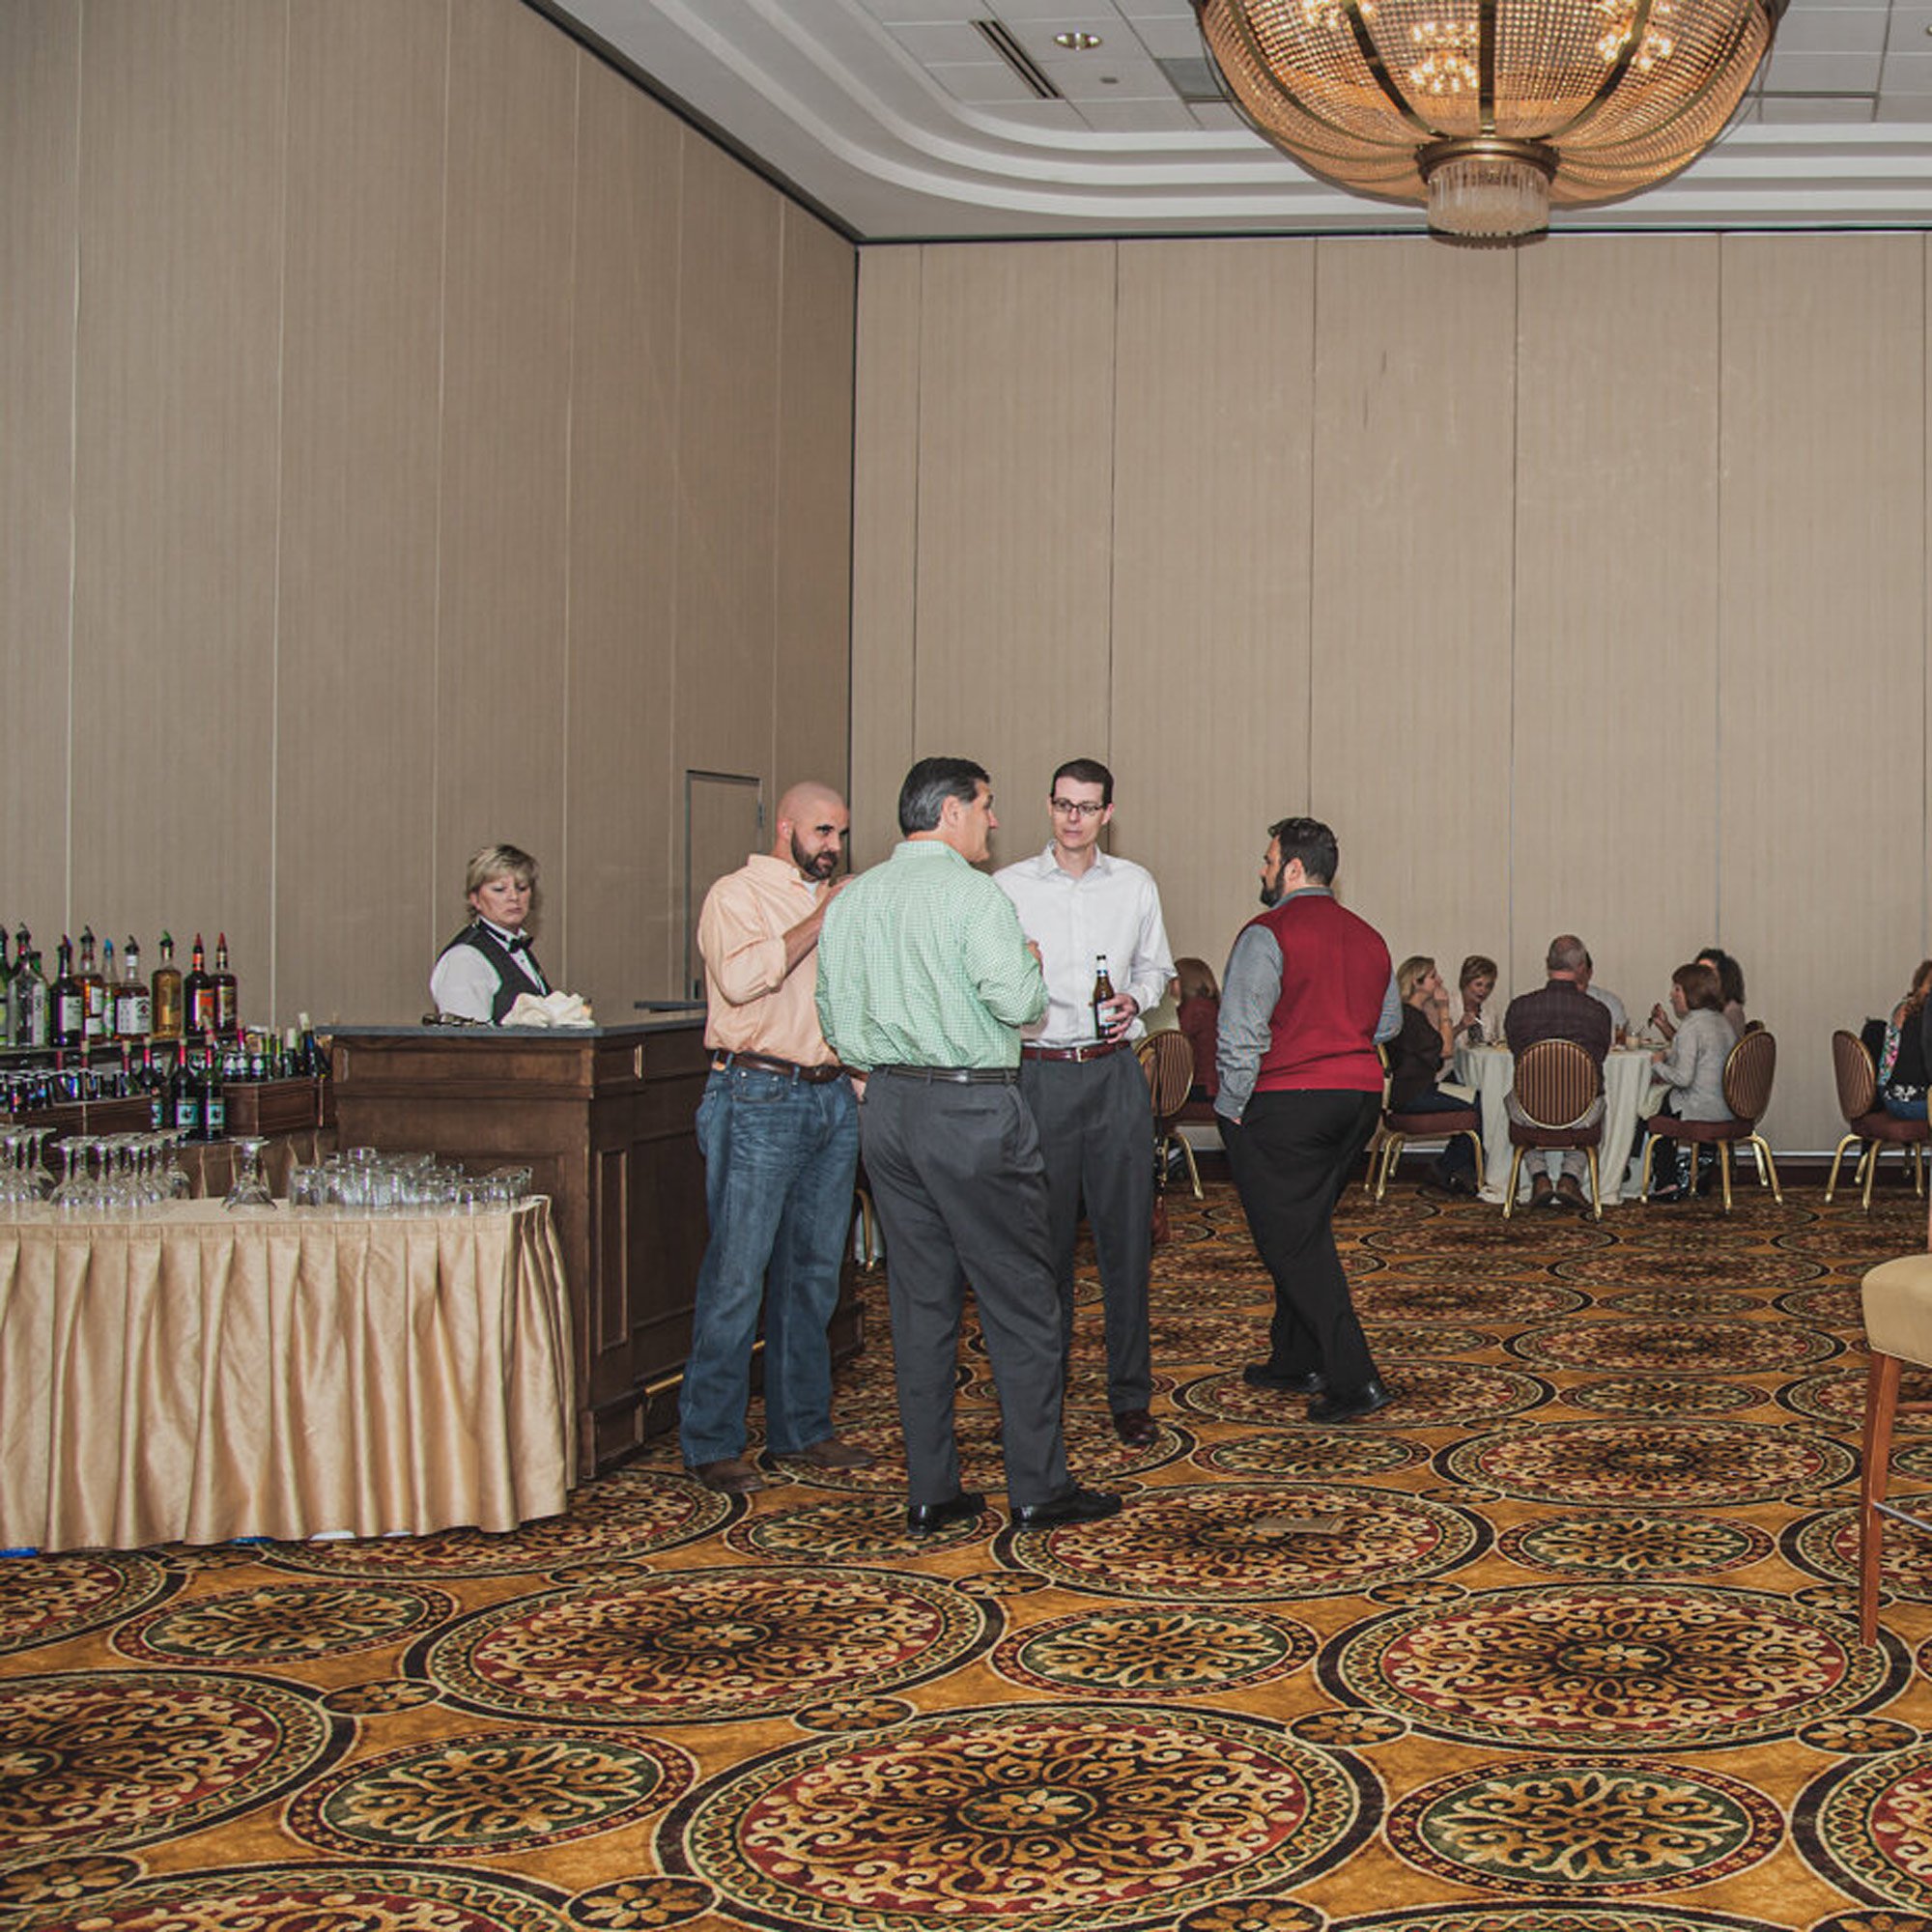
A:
1080, 1074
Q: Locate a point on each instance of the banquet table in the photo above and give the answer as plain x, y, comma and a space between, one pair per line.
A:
1492, 1070
195, 1375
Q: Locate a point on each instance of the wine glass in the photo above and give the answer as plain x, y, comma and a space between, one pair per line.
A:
250, 1188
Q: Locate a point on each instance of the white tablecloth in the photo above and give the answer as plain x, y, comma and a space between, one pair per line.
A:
1490, 1071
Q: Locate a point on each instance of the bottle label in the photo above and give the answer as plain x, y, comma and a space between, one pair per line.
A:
188, 1113
131, 1014
71, 1014
201, 1015
218, 1114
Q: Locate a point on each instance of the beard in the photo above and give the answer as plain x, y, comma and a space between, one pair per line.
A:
820, 867
1270, 896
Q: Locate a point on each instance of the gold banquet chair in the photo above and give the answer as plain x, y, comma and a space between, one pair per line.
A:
1396, 1128
1556, 1083
1749, 1070
1898, 1300
1871, 1128
1167, 1059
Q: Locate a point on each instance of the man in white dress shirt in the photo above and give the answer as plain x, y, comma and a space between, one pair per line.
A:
1081, 1076
1605, 998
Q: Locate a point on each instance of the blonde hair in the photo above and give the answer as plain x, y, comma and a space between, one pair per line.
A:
498, 862
1411, 973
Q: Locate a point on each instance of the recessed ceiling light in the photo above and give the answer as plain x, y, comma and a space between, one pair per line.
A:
1080, 44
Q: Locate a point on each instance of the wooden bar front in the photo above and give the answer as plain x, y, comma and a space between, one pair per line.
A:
605, 1118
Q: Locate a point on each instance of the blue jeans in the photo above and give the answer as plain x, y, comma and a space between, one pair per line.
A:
780, 1156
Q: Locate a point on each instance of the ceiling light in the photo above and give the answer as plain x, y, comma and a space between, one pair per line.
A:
1078, 43
1489, 111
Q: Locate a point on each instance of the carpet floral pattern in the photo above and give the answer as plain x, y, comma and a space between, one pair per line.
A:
1563, 1640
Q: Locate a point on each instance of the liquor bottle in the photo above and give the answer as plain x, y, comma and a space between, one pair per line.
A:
198, 994
23, 941
166, 994
227, 998
10, 995
93, 990
69, 1001
110, 989
1103, 996
133, 1004
36, 1027
153, 1082
213, 1101
184, 1097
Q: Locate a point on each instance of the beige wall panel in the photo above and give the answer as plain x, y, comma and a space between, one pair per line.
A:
727, 467
355, 694
812, 680
1822, 652
617, 896
1414, 448
1616, 606
501, 646
39, 106
1214, 417
174, 654
1016, 490
885, 540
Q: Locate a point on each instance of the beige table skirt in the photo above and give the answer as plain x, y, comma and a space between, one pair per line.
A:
197, 1376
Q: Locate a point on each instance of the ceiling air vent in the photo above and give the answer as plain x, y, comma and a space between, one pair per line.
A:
1017, 58
1197, 79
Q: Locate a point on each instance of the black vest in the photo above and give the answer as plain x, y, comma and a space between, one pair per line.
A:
512, 982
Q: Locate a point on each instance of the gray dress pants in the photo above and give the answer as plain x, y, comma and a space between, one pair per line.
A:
957, 1179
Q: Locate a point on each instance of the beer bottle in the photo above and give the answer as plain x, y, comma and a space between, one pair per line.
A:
1103, 996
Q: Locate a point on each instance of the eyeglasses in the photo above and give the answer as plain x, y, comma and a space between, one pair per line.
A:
1068, 808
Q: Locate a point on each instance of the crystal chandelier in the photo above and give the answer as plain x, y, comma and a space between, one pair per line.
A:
1488, 111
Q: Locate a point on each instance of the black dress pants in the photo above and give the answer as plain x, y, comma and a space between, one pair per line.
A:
1291, 1156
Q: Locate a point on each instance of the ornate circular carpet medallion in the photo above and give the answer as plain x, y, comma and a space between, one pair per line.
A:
1839, 1306
871, 1530
379, 1697
1851, 1241
1663, 1395
1458, 1290
325, 1897
1153, 1652
1416, 1338
704, 1646
1864, 1825
1675, 1464
282, 1623
1430, 1393
103, 1760
1688, 1263
629, 1513
49, 1598
1641, 1547
641, 1904
1235, 1542
1826, 1544
1531, 1239
1680, 1302
1601, 1827
1718, 1348
1838, 1400
1627, 1666
1028, 1817
61, 1881
1562, 1915
853, 1714
501, 1792
1310, 1452
1214, 1294
1217, 1336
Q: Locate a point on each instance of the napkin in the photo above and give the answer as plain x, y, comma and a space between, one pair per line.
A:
550, 1010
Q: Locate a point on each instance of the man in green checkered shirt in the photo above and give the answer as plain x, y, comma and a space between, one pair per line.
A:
923, 982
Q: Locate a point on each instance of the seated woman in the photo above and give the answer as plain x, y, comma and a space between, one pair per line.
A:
1416, 1056
1199, 1019
1730, 982
1901, 1055
488, 965
1692, 1067
1476, 981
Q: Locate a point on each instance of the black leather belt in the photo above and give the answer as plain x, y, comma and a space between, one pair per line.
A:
770, 1062
1099, 1050
964, 1076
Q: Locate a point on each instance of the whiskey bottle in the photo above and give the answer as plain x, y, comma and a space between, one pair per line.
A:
166, 994
93, 990
10, 995
36, 1028
133, 1004
70, 1000
227, 999
198, 994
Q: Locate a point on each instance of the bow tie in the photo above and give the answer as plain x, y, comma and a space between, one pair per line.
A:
517, 941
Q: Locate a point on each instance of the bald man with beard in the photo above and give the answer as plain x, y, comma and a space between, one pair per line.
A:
779, 1131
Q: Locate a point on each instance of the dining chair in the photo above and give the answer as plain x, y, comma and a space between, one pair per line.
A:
1167, 1059
1397, 1128
1897, 1302
1556, 1085
1872, 1128
1749, 1070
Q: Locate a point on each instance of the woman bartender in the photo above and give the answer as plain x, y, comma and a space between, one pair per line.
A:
488, 965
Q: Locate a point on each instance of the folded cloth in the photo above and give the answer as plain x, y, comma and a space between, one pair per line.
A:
550, 1010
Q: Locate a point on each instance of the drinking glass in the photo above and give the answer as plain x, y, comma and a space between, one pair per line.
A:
249, 1189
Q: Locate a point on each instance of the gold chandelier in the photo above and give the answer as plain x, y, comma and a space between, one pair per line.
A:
1488, 111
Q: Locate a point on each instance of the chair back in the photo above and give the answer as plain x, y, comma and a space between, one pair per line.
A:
1748, 1075
1167, 1059
1556, 1083
1857, 1076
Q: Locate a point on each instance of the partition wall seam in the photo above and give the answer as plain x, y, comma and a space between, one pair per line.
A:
1717, 628
281, 503
1925, 598
569, 480
1113, 498
441, 443
778, 509
677, 821
1308, 598
1515, 600
918, 481
851, 540
73, 474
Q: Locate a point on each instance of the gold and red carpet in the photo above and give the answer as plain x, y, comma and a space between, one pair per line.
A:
1562, 1641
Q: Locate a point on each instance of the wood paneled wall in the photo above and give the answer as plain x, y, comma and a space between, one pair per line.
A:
411, 436
1581, 589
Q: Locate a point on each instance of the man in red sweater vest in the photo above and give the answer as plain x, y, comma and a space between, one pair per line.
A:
1307, 994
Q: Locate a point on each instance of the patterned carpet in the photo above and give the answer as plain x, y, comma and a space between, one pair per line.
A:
1563, 1641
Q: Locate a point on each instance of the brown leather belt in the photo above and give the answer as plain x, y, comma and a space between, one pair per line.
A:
769, 1063
1099, 1050
958, 1076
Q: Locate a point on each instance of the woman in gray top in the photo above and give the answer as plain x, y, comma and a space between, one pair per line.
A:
1693, 1066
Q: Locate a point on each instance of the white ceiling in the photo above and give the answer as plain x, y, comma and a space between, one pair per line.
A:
900, 120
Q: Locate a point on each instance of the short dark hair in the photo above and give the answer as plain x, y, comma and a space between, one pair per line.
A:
1312, 842
931, 784
1730, 975
1700, 986
1478, 966
1086, 772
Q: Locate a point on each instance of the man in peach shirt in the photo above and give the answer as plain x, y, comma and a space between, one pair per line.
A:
779, 1135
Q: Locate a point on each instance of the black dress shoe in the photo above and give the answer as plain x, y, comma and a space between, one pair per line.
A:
1257, 1375
1351, 1407
923, 1518
1135, 1427
1075, 1506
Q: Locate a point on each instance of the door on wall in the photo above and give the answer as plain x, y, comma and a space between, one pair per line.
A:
724, 823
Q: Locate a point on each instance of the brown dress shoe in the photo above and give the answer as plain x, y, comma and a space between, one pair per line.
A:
733, 1475
833, 1454
1570, 1194
1135, 1427
1541, 1193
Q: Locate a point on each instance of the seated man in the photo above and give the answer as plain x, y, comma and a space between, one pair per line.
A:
1605, 998
1562, 1011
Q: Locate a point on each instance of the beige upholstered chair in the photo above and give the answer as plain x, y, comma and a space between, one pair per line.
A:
1556, 1083
1898, 1299
1749, 1070
1871, 1128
